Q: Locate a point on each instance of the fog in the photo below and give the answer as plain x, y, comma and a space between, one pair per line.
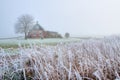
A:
78, 17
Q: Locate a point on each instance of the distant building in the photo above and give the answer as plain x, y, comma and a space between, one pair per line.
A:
38, 32
52, 34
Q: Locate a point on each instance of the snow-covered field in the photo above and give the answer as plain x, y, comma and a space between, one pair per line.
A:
85, 60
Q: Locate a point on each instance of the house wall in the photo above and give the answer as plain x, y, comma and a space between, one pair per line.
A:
43, 34
36, 34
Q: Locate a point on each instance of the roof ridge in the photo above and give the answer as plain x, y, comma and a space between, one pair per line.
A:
37, 26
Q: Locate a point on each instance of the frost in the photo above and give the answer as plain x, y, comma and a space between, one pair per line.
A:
87, 59
97, 74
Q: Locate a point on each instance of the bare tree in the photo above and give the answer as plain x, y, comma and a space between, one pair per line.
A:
24, 24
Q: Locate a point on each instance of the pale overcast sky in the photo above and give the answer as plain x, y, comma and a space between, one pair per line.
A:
78, 17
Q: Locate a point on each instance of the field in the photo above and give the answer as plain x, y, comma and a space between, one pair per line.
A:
14, 43
92, 59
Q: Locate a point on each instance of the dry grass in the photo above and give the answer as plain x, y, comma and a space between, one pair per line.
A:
85, 60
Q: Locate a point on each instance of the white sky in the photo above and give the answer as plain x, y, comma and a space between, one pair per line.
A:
78, 17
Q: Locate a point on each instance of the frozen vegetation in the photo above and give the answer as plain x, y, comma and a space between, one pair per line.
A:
85, 60
8, 43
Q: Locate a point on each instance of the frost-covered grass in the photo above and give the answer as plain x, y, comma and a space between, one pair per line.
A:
8, 43
84, 60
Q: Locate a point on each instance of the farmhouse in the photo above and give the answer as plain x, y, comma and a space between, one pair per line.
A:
38, 32
52, 34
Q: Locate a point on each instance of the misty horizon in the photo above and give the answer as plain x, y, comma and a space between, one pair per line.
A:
78, 17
